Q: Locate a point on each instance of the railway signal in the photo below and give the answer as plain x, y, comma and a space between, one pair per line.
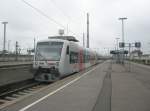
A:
119, 52
121, 44
137, 44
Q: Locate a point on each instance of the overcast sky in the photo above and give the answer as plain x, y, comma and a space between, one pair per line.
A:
25, 23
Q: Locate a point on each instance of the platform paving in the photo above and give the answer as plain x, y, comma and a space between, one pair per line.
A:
128, 91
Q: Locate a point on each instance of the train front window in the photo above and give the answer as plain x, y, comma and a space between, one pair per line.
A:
49, 51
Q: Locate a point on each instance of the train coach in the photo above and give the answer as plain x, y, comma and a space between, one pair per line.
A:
60, 56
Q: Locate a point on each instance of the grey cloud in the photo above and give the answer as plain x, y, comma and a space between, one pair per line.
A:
25, 23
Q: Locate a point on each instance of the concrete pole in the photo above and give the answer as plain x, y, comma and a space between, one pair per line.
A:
34, 48
9, 45
16, 47
129, 57
83, 41
122, 21
117, 43
4, 43
88, 45
34, 44
122, 30
117, 55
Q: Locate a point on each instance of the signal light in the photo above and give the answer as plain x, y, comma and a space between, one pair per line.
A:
137, 44
121, 44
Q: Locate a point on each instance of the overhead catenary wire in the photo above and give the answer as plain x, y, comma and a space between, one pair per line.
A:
67, 16
43, 14
59, 9
46, 16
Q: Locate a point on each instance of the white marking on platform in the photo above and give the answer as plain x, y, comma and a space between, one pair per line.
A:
55, 91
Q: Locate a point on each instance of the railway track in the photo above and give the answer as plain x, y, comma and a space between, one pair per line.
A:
12, 92
15, 87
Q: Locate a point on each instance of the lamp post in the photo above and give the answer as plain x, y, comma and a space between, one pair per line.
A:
88, 42
122, 21
123, 41
4, 44
9, 46
83, 40
117, 42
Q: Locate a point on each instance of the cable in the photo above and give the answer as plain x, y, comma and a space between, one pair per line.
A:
39, 11
43, 14
70, 19
59, 8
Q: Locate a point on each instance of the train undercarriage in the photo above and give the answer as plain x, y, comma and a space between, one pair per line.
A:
47, 74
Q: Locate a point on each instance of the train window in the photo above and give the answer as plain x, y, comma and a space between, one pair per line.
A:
86, 56
43, 43
49, 50
56, 43
73, 57
67, 51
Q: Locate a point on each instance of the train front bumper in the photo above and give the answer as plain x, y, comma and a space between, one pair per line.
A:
46, 74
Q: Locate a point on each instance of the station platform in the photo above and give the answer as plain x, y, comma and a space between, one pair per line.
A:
105, 87
129, 88
14, 63
15, 71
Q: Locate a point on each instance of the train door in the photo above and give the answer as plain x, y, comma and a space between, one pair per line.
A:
68, 59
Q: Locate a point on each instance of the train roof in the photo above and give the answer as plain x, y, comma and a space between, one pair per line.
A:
57, 40
69, 38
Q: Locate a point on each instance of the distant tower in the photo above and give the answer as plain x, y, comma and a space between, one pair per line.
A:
83, 41
88, 45
4, 44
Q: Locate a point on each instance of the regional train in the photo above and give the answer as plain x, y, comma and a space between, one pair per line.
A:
60, 56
